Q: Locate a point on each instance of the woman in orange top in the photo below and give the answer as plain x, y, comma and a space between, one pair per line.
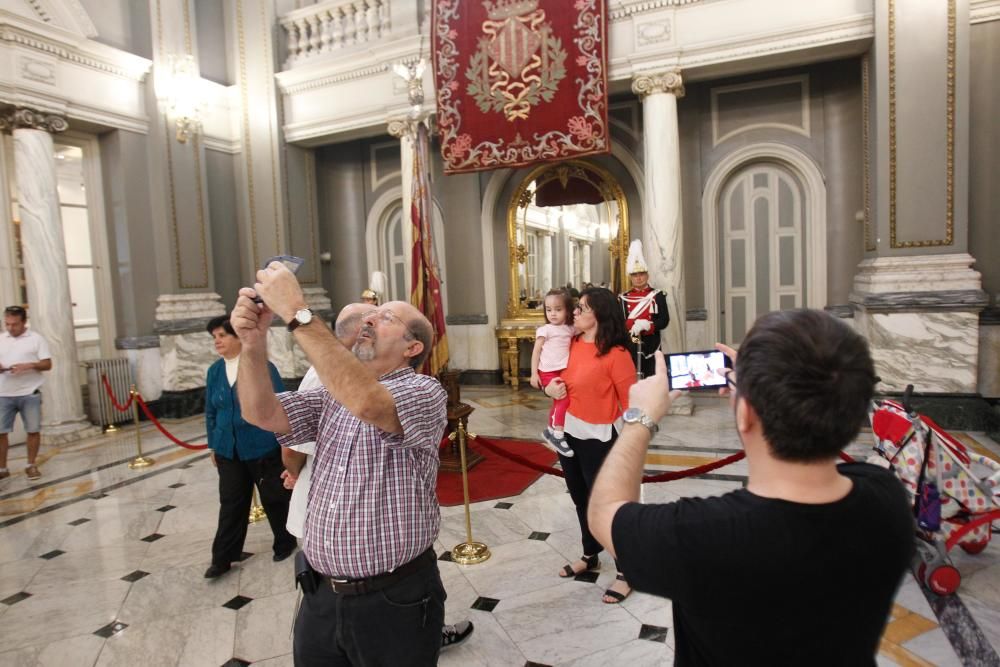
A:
597, 379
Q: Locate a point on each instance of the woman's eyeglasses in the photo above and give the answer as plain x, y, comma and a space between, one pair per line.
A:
730, 376
582, 309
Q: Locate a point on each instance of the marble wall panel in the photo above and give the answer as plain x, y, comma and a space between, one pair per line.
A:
936, 352
472, 347
184, 359
989, 361
146, 371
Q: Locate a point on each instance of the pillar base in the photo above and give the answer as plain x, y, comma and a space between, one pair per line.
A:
684, 405
920, 315
186, 350
60, 434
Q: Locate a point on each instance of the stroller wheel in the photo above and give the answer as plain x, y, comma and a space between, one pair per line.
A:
944, 579
973, 548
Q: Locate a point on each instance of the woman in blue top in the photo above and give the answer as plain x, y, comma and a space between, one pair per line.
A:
244, 455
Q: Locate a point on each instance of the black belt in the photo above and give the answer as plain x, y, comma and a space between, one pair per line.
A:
380, 581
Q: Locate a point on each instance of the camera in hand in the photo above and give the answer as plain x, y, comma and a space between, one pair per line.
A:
704, 369
291, 262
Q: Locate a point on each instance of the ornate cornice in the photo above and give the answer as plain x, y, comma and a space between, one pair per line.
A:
654, 83
623, 10
20, 118
16, 35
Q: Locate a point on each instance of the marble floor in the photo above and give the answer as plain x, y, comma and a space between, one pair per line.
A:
102, 565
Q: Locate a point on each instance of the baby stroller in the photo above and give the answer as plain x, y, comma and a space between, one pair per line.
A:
955, 493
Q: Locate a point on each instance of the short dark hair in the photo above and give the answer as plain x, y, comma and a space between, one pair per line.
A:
610, 319
421, 330
220, 321
567, 300
17, 311
810, 378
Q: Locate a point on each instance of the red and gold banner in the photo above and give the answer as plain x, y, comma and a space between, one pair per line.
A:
426, 292
520, 81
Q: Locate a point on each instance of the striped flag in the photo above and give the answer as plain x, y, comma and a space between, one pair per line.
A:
426, 294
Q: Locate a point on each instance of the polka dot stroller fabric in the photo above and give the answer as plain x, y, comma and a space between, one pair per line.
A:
930, 462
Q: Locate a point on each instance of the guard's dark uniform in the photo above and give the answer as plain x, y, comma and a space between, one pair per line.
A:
645, 304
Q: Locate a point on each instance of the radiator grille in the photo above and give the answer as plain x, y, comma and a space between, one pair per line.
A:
119, 374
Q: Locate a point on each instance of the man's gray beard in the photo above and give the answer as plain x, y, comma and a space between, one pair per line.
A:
364, 352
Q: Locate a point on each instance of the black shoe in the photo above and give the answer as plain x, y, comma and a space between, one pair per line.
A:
216, 570
453, 635
282, 555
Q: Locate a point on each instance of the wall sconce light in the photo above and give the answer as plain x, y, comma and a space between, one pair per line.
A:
183, 95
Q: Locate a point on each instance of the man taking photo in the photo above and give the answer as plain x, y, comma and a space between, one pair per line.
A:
800, 567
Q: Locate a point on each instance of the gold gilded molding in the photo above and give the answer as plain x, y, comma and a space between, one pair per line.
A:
949, 235
247, 146
172, 193
869, 235
654, 83
605, 183
311, 213
265, 33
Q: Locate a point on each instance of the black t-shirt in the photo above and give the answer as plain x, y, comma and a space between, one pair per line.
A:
758, 581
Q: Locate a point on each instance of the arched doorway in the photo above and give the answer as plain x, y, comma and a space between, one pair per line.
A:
764, 233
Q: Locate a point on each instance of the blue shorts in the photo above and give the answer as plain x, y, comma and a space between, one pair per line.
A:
29, 406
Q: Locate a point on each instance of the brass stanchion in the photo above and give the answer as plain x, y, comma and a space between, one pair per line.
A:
139, 461
468, 552
256, 509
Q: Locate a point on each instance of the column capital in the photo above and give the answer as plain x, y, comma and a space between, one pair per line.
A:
400, 128
22, 118
654, 83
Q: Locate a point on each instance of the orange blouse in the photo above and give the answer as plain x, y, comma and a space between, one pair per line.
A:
598, 386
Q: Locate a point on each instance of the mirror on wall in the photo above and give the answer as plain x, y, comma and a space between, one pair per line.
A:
567, 226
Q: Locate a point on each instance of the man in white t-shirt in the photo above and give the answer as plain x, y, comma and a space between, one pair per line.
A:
24, 354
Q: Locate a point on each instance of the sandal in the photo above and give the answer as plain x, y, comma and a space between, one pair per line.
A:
592, 563
618, 597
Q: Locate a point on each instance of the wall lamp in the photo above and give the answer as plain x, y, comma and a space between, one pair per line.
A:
183, 95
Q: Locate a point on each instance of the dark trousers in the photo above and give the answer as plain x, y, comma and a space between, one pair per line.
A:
236, 481
397, 626
581, 471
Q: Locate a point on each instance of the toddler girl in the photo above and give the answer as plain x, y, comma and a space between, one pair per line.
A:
549, 358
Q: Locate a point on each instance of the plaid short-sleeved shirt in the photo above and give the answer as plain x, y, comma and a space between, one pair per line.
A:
372, 502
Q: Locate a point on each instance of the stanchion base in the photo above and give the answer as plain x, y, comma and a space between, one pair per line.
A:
257, 514
470, 553
111, 428
140, 462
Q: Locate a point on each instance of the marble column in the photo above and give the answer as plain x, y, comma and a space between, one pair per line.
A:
585, 273
545, 261
51, 306
916, 296
662, 232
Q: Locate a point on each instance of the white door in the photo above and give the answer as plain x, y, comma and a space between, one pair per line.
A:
761, 212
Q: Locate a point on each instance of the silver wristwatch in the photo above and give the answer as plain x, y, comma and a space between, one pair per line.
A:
304, 316
637, 416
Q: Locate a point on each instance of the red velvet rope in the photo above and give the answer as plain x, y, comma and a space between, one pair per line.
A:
668, 476
158, 425
111, 394
847, 458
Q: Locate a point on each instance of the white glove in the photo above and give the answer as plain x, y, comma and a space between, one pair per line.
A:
639, 326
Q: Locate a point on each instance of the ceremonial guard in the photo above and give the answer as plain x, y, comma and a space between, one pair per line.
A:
376, 293
646, 313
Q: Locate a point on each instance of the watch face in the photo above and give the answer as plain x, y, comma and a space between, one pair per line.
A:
632, 415
304, 316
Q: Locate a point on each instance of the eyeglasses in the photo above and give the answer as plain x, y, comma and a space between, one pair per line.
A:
582, 309
730, 379
386, 316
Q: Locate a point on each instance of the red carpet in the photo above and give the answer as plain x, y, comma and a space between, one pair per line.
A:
495, 477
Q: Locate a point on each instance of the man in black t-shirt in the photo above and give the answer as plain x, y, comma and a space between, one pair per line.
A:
800, 567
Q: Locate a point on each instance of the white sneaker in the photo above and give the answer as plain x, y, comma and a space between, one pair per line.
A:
558, 443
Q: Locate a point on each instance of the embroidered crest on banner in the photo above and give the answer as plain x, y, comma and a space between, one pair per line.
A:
519, 82
518, 62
